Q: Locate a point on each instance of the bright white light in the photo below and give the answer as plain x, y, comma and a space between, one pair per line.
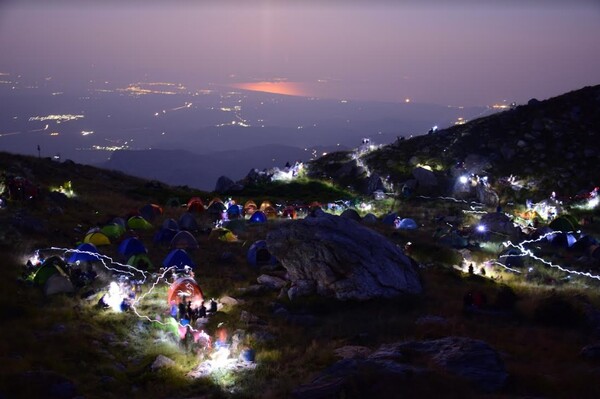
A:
114, 297
463, 179
481, 228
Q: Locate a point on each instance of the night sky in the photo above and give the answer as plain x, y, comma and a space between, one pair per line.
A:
463, 53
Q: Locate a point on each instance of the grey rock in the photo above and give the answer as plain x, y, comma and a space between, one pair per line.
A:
160, 362
469, 358
344, 259
249, 318
271, 282
425, 177
352, 352
301, 288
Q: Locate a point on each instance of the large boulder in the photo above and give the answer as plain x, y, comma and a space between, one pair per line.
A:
224, 184
344, 259
425, 177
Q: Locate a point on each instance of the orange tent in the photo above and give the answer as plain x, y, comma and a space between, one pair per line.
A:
184, 288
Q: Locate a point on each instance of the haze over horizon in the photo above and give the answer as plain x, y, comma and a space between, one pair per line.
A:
464, 53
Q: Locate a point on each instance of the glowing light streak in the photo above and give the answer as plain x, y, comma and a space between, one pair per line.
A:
528, 253
452, 199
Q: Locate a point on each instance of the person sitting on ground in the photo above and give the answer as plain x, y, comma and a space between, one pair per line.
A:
213, 306
201, 311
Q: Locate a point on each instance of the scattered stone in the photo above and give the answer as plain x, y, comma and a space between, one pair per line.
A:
352, 352
271, 282
425, 177
160, 362
228, 301
249, 318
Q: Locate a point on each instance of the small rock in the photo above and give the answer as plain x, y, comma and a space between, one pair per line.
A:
160, 362
271, 282
352, 352
228, 301
249, 318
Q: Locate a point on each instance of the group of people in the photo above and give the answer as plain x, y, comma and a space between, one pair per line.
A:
186, 313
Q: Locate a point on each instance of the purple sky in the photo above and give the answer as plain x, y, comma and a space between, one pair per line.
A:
465, 53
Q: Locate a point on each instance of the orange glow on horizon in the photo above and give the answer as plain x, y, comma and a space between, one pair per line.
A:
286, 88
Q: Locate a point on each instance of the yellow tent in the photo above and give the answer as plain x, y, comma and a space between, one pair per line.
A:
97, 239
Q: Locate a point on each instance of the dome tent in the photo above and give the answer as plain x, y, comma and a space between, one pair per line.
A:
258, 254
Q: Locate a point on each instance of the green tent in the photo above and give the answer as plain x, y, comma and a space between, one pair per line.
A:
50, 267
140, 261
113, 230
138, 223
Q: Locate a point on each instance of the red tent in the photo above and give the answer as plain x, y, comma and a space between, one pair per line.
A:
184, 287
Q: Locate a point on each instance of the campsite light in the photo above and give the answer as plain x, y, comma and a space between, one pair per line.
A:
113, 298
463, 179
593, 202
481, 228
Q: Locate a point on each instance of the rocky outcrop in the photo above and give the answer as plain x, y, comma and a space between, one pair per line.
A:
340, 258
393, 367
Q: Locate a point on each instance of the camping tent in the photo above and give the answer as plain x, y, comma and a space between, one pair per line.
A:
132, 246
351, 214
170, 224
258, 254
184, 240
258, 217
234, 211
113, 230
173, 202
187, 221
236, 226
138, 223
84, 253
222, 234
120, 221
511, 257
195, 204
369, 218
58, 283
140, 261
52, 265
250, 207
265, 204
270, 212
390, 218
150, 211
564, 224
407, 224
97, 239
178, 258
184, 289
164, 236
289, 213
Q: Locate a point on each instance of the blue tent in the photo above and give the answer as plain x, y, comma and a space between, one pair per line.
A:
164, 236
171, 224
234, 211
184, 240
390, 218
187, 221
178, 258
258, 254
258, 217
132, 246
407, 224
84, 253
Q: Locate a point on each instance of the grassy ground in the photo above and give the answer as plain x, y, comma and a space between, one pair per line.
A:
108, 355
